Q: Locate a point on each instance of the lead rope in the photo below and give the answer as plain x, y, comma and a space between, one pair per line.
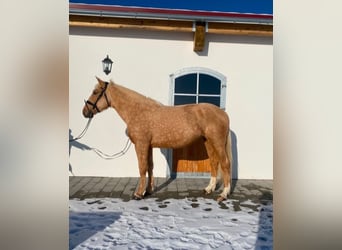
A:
83, 132
99, 152
113, 156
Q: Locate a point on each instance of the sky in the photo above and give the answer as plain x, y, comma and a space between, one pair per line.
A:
241, 6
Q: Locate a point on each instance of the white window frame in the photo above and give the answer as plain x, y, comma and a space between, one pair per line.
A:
199, 70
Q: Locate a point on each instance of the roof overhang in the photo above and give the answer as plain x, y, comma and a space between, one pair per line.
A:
168, 14
195, 21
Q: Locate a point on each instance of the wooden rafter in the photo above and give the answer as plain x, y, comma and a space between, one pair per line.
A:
199, 36
240, 29
129, 23
173, 25
169, 25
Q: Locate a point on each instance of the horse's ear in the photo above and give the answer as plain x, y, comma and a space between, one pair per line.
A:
98, 79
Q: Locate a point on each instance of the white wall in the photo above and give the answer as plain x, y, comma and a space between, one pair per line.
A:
143, 61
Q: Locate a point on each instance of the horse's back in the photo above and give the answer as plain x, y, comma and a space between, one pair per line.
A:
209, 113
207, 117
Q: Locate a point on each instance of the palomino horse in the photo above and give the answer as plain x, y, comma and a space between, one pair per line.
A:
151, 124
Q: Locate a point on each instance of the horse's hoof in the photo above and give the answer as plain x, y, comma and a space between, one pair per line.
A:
137, 197
206, 192
147, 193
220, 199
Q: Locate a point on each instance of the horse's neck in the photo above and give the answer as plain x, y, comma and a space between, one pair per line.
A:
126, 102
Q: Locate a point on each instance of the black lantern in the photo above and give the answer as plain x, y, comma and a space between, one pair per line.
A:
107, 65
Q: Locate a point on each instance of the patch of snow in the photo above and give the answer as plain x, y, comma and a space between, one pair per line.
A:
200, 223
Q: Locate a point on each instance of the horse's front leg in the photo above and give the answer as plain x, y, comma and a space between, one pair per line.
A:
141, 150
150, 183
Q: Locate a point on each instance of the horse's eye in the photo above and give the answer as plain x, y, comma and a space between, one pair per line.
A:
95, 92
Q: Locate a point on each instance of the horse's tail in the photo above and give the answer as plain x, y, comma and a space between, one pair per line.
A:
230, 159
229, 154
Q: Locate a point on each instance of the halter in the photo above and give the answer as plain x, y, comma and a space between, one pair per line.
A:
94, 105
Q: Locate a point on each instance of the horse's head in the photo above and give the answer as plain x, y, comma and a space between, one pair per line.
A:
97, 101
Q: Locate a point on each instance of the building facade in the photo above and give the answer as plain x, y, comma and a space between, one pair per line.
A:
227, 61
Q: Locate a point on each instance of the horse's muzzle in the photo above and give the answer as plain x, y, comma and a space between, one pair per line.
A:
87, 113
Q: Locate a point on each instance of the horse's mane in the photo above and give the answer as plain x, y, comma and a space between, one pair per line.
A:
137, 97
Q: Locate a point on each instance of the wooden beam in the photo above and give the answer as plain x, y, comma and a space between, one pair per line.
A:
240, 29
171, 25
199, 36
129, 23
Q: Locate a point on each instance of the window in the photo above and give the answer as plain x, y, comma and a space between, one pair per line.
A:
198, 85
194, 85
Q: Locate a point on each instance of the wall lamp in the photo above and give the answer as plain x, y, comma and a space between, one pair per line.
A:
107, 65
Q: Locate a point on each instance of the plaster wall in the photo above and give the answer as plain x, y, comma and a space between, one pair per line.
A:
143, 61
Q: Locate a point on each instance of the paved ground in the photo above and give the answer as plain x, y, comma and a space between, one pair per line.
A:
258, 191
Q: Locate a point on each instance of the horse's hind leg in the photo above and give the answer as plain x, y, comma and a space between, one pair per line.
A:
150, 183
226, 170
213, 167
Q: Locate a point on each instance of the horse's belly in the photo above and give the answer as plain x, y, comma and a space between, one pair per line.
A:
176, 139
173, 128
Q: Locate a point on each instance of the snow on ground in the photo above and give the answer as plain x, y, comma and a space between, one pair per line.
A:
190, 223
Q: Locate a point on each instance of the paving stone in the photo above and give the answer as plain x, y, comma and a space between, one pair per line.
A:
79, 185
73, 181
122, 184
118, 188
92, 182
172, 186
110, 185
182, 188
100, 185
130, 187
88, 187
